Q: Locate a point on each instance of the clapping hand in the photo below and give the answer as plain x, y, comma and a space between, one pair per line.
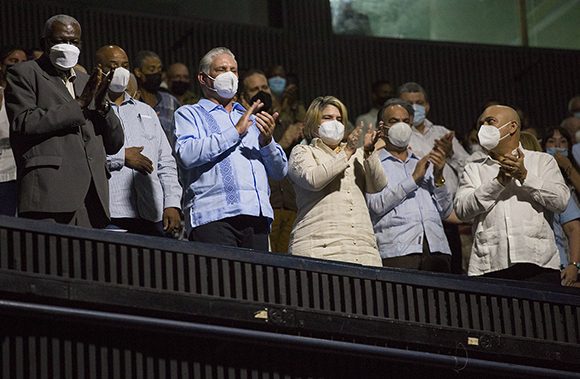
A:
445, 144
513, 166
352, 141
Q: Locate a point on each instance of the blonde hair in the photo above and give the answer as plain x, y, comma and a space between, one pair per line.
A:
314, 115
530, 142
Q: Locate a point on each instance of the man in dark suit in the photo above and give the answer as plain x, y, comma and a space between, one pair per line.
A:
61, 129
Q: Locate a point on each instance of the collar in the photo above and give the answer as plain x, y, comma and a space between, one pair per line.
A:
210, 106
127, 99
317, 142
384, 155
428, 124
490, 161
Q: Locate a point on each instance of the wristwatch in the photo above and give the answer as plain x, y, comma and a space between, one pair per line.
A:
577, 264
439, 182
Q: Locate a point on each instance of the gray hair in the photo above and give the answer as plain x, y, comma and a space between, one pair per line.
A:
61, 19
205, 62
143, 55
412, 87
393, 102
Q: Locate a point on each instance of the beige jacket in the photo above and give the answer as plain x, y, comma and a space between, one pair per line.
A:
333, 220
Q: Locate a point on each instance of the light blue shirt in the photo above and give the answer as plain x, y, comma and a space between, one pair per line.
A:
226, 175
136, 195
403, 212
571, 213
576, 153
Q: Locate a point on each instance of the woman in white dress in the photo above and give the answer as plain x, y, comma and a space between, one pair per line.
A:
331, 178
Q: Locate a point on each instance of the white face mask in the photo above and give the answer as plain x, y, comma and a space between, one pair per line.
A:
64, 56
120, 80
399, 134
331, 132
489, 136
226, 85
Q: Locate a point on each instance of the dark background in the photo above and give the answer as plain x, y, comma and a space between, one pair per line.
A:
459, 78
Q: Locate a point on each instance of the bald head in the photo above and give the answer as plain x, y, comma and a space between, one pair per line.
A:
112, 56
502, 114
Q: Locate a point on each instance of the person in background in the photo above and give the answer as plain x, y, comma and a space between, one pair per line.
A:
331, 178
530, 142
426, 136
511, 197
407, 213
9, 56
179, 84
282, 196
381, 91
227, 153
558, 143
61, 129
572, 125
145, 195
566, 225
148, 71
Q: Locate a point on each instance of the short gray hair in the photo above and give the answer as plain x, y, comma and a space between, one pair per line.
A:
412, 87
61, 19
143, 55
205, 62
394, 102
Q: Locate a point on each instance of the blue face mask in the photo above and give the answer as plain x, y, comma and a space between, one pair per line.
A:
277, 85
577, 114
419, 114
553, 150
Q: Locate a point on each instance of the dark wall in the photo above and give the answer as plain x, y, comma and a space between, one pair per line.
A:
458, 77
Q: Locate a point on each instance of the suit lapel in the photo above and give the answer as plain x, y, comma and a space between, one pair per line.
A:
50, 73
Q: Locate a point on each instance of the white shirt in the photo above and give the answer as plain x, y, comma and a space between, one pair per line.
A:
512, 224
136, 195
423, 143
7, 164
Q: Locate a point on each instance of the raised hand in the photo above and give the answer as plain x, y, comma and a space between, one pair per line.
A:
352, 141
244, 123
421, 169
91, 88
266, 124
137, 161
445, 144
437, 157
101, 91
513, 166
370, 137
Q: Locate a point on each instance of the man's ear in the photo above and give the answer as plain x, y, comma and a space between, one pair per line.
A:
200, 78
427, 107
138, 73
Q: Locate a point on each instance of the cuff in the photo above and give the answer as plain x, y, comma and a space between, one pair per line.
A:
269, 149
172, 202
117, 161
409, 185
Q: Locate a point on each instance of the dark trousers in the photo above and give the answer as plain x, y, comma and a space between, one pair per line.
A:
454, 240
137, 226
425, 261
90, 215
8, 198
527, 272
240, 231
